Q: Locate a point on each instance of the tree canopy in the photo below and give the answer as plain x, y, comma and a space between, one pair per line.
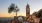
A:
13, 8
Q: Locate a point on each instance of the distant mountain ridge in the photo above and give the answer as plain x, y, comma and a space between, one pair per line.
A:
6, 18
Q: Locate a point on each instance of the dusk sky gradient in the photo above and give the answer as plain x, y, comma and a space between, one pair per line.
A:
35, 5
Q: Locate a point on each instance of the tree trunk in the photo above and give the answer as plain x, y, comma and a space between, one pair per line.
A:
16, 13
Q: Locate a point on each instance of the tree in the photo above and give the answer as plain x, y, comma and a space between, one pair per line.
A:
13, 8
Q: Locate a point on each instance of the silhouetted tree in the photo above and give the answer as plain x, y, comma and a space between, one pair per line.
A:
13, 8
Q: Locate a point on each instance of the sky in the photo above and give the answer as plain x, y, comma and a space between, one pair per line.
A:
35, 5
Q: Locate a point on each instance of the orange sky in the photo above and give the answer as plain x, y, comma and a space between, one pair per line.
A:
11, 15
